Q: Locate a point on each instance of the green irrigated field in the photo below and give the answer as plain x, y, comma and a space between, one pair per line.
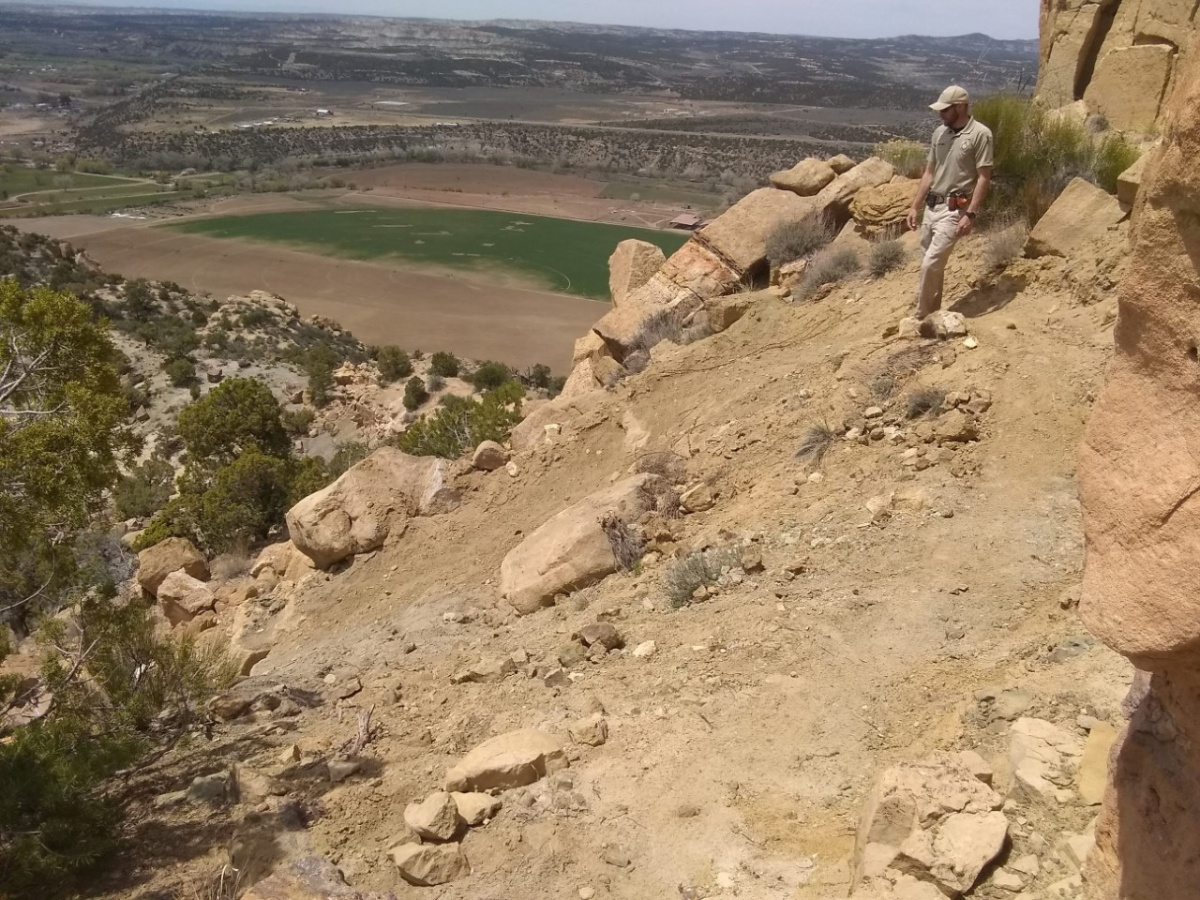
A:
564, 255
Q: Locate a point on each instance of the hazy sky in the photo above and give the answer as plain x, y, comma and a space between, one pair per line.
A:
836, 18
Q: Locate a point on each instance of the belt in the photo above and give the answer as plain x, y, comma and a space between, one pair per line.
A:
932, 200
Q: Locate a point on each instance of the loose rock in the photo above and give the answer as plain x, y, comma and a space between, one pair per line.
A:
428, 865
435, 819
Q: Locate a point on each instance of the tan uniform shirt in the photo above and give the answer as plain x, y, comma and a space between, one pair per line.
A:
957, 158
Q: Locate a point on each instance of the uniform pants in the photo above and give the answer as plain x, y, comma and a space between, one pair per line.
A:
939, 233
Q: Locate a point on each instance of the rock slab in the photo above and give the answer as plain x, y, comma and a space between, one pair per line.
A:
1082, 213
507, 761
572, 550
428, 865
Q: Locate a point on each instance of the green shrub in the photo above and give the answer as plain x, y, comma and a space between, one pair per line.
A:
139, 299
462, 423
319, 362
145, 490
181, 371
415, 393
297, 421
434, 383
394, 364
255, 317
237, 415
1113, 156
539, 376
1038, 153
247, 498
490, 375
908, 157
444, 364
886, 256
170, 335
112, 678
797, 239
830, 266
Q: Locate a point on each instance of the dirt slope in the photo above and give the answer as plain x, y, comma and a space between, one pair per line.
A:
740, 752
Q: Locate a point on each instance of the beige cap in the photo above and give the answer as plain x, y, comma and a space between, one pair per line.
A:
950, 96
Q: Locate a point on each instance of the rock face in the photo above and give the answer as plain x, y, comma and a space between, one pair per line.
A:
1139, 479
1129, 83
631, 265
1082, 213
932, 820
357, 512
183, 597
311, 878
806, 178
157, 562
1120, 57
572, 550
508, 761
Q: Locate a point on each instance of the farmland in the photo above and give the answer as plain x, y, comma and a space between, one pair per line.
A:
560, 255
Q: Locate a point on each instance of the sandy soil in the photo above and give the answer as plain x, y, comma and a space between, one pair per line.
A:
468, 314
744, 748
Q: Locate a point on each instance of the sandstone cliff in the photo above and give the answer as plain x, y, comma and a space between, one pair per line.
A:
1140, 480
1120, 58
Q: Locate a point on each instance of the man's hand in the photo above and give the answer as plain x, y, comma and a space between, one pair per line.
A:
912, 218
965, 225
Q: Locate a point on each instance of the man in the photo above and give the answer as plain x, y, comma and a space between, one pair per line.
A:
957, 176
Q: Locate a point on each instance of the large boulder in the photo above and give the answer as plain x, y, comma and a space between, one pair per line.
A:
841, 163
183, 597
834, 199
157, 562
357, 512
1129, 85
508, 761
1082, 213
311, 878
631, 265
934, 820
883, 209
806, 178
572, 550
624, 328
740, 234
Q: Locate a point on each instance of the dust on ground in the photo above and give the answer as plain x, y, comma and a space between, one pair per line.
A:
742, 750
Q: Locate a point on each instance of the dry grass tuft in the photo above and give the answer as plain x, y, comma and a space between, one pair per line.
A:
627, 545
923, 401
698, 570
670, 466
830, 266
886, 256
1004, 243
817, 441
